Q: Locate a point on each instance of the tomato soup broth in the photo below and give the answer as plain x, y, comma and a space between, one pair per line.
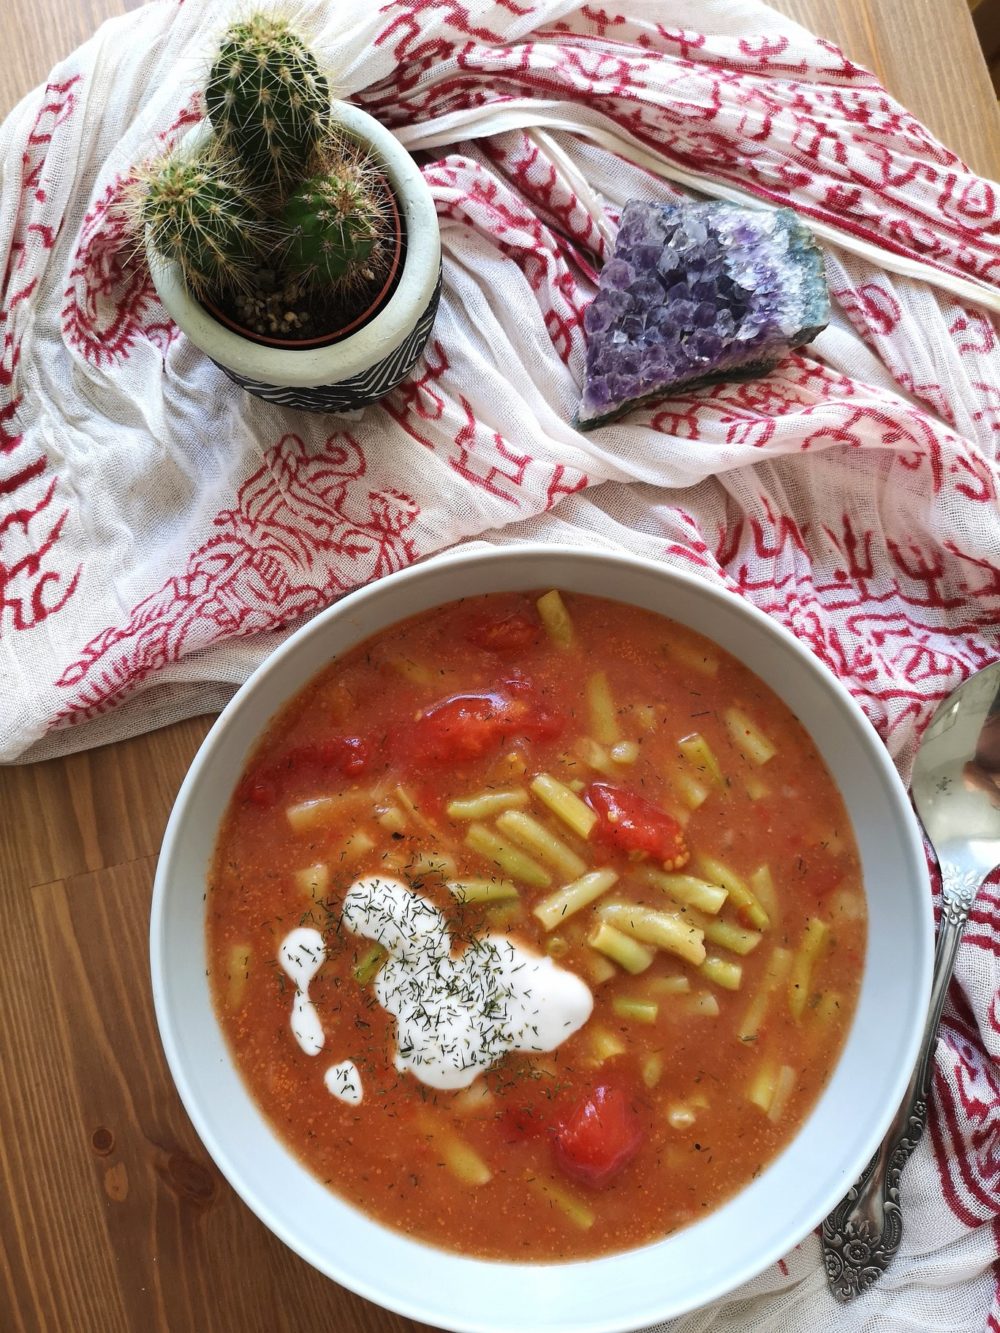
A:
535, 926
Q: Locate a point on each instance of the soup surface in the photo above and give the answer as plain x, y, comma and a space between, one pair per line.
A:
535, 926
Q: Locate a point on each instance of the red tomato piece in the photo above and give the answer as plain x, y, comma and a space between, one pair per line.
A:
354, 756
511, 633
522, 1122
468, 726
464, 726
601, 1136
636, 826
348, 755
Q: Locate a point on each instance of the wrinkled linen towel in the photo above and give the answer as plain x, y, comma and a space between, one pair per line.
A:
160, 531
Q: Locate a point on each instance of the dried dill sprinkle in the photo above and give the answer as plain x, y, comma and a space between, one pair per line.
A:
458, 1014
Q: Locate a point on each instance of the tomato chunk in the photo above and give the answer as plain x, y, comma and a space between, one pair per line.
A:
634, 825
464, 726
522, 1122
506, 634
346, 755
468, 726
599, 1137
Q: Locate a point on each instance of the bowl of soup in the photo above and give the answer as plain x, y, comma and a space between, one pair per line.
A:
516, 941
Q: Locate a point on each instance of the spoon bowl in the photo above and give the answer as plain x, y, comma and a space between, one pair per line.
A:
956, 779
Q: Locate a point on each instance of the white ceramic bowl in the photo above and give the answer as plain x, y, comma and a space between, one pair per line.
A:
696, 1265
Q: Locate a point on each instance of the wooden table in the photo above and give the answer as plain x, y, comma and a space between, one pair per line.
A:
113, 1217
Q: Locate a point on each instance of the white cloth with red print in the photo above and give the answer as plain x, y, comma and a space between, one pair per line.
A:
161, 531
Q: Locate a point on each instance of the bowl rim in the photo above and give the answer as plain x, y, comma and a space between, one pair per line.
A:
418, 1306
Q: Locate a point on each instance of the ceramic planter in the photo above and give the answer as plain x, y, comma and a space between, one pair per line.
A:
362, 366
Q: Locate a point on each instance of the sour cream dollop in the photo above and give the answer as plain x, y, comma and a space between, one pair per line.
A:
301, 956
344, 1082
457, 1016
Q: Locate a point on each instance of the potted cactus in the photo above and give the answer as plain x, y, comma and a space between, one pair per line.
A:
290, 236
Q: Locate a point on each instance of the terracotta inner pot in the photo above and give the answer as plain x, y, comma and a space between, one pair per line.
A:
397, 241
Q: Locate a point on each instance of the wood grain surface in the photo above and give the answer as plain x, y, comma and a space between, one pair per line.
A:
113, 1217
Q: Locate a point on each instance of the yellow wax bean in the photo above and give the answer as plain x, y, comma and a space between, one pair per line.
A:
599, 969
542, 842
464, 1162
651, 1069
762, 1085
762, 886
431, 865
356, 846
313, 880
568, 1204
636, 1011
596, 757
748, 737
605, 1044
687, 889
692, 792
739, 892
554, 909
775, 973
725, 974
700, 755
556, 619
322, 811
238, 958
369, 964
755, 788
516, 863
813, 939
673, 985
784, 1086
486, 804
625, 752
392, 819
727, 935
601, 706
625, 951
417, 673
671, 933
564, 804
483, 890
680, 1117
689, 655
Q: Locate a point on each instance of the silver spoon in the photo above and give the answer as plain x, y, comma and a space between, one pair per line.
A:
956, 789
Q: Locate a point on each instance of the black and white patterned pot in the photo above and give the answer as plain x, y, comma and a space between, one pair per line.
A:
359, 390
358, 369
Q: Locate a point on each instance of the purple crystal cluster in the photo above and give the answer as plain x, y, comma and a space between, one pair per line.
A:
695, 293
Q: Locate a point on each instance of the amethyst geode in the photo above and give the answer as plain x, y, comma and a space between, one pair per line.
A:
695, 293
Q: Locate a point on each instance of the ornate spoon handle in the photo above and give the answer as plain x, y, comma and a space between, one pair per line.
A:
862, 1234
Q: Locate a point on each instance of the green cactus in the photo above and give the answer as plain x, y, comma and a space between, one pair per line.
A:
195, 212
279, 211
267, 98
333, 225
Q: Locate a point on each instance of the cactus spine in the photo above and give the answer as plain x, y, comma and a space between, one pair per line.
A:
333, 224
200, 216
267, 98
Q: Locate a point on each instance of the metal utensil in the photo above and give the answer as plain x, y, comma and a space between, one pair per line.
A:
956, 790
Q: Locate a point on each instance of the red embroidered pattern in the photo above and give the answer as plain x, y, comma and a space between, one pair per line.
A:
841, 150
303, 532
110, 300
33, 582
